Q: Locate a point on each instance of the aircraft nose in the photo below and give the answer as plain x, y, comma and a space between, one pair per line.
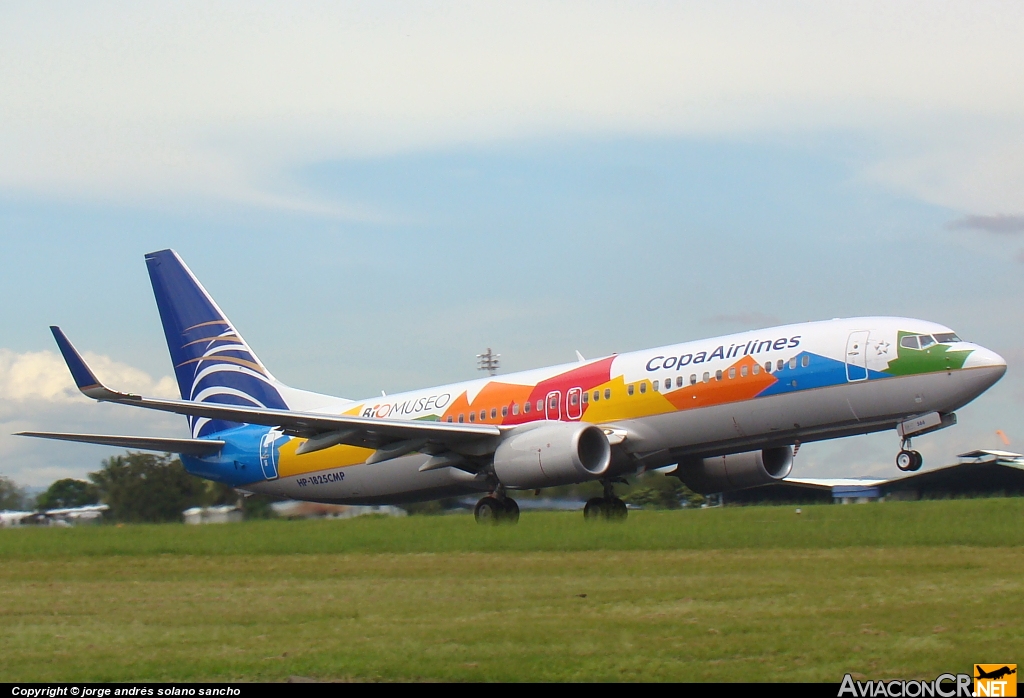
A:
985, 358
987, 368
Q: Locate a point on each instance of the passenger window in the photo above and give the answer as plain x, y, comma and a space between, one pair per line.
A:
732, 373
607, 393
792, 362
629, 389
540, 405
654, 385
643, 387
515, 408
780, 365
449, 419
504, 411
693, 379
597, 395
679, 381
767, 366
805, 361
526, 408
586, 398
755, 369
707, 376
472, 416
718, 375
926, 341
909, 342
462, 418
743, 371
494, 413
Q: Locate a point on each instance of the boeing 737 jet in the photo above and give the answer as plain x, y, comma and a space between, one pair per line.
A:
727, 412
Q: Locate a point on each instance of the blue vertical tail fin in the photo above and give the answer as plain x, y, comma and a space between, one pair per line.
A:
212, 363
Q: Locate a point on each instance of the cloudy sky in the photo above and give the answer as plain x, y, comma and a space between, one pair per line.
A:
376, 192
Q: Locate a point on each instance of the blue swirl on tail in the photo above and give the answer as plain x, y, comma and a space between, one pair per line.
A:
212, 363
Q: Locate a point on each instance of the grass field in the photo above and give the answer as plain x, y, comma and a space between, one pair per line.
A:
900, 589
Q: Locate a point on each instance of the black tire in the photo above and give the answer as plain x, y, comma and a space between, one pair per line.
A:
617, 510
905, 461
511, 511
595, 510
489, 511
918, 461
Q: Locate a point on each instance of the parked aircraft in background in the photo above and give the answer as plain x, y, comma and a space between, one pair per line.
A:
53, 517
728, 412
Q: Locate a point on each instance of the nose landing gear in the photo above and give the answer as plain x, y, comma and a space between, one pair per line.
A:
908, 460
606, 508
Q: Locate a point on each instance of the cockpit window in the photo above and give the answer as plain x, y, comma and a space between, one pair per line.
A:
926, 341
947, 338
910, 342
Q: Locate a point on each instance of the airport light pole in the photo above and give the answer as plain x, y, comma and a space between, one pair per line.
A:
488, 361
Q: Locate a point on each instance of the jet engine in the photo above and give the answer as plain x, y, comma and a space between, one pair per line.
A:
551, 453
736, 471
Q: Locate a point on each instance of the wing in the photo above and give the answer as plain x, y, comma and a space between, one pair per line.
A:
189, 447
390, 437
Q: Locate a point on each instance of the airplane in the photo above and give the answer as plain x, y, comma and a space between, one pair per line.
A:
53, 517
994, 674
728, 412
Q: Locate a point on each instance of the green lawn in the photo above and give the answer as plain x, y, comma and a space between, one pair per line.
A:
908, 589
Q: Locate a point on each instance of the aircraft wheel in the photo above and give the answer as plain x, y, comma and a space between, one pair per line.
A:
617, 510
489, 511
906, 461
595, 510
511, 513
918, 461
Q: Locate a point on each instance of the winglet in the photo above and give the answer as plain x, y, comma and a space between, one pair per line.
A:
85, 379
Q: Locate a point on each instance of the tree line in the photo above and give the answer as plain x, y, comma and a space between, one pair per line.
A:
138, 488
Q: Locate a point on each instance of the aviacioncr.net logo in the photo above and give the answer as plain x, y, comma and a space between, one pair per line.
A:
943, 686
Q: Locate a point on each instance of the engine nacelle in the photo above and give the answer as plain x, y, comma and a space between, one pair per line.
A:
552, 453
737, 471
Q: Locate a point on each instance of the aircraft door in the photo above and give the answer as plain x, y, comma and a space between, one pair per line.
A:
268, 454
553, 405
574, 403
857, 356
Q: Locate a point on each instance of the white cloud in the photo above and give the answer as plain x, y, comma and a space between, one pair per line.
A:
43, 376
122, 100
37, 394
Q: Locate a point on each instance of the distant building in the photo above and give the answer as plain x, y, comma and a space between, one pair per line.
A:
223, 513
314, 510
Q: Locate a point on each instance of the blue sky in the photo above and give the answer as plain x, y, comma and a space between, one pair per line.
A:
365, 238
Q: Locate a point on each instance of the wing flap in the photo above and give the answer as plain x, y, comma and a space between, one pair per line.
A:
188, 447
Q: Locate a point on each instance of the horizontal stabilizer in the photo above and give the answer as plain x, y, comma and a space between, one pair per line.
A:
188, 447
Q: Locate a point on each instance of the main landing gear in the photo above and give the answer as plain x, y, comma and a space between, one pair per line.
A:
907, 460
606, 508
496, 509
